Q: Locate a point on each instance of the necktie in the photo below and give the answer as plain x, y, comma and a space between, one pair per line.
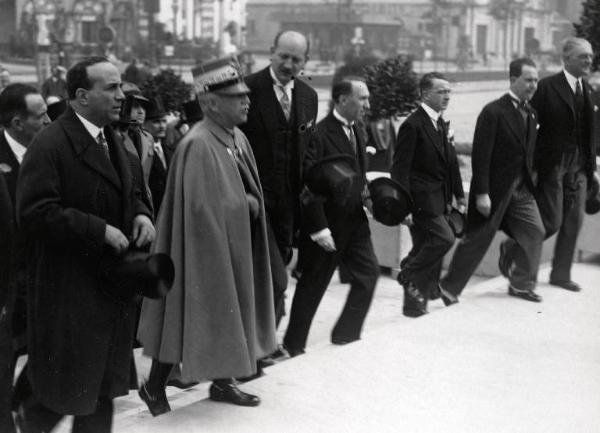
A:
523, 108
351, 137
284, 101
161, 156
441, 128
102, 142
578, 96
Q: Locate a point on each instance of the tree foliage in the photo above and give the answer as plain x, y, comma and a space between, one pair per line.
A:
171, 89
589, 28
394, 87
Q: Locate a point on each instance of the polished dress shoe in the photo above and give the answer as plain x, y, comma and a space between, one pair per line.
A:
414, 302
568, 285
528, 295
448, 297
291, 351
504, 261
230, 393
157, 404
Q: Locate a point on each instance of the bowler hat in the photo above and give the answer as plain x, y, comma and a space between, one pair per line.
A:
192, 111
57, 108
335, 177
457, 222
391, 201
155, 109
140, 273
222, 75
592, 203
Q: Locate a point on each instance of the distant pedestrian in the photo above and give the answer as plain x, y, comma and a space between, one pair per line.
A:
55, 85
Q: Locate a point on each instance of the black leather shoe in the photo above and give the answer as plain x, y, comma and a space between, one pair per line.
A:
414, 303
230, 393
448, 297
568, 285
504, 261
528, 295
157, 404
291, 351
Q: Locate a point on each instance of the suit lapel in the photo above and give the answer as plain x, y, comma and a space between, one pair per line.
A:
338, 137
514, 119
87, 148
269, 104
12, 171
561, 85
432, 133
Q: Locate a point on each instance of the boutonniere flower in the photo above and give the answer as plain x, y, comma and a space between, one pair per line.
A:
5, 168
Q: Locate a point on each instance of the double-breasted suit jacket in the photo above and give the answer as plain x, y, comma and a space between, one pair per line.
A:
79, 338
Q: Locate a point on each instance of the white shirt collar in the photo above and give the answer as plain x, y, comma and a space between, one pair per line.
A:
89, 126
433, 115
571, 79
17, 148
288, 86
342, 119
514, 98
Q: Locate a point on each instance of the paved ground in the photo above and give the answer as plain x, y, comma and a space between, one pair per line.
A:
492, 364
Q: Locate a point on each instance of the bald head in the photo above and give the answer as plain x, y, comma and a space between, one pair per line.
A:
289, 54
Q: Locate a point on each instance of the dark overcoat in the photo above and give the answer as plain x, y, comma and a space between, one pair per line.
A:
502, 152
79, 338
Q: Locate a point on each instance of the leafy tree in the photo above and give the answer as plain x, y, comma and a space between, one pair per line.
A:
394, 87
589, 28
171, 89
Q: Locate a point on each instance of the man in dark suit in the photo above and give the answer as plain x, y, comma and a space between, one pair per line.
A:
502, 189
565, 154
425, 164
334, 232
283, 111
81, 207
22, 115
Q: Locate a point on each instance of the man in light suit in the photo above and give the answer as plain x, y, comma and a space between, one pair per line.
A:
565, 154
334, 233
425, 164
282, 116
80, 206
502, 189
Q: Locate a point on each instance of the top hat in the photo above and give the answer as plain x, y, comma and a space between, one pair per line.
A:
192, 111
391, 201
155, 109
139, 273
592, 202
335, 177
457, 222
57, 108
222, 76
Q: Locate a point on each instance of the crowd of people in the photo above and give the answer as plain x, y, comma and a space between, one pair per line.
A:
228, 194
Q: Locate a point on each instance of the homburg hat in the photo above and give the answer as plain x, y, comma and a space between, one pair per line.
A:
391, 201
334, 177
155, 109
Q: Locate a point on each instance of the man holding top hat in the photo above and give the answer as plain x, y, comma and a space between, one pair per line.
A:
335, 228
502, 189
425, 164
81, 207
218, 319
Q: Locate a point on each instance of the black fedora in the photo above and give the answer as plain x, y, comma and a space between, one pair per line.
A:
57, 108
140, 273
391, 201
191, 111
335, 177
155, 109
130, 99
592, 202
457, 222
